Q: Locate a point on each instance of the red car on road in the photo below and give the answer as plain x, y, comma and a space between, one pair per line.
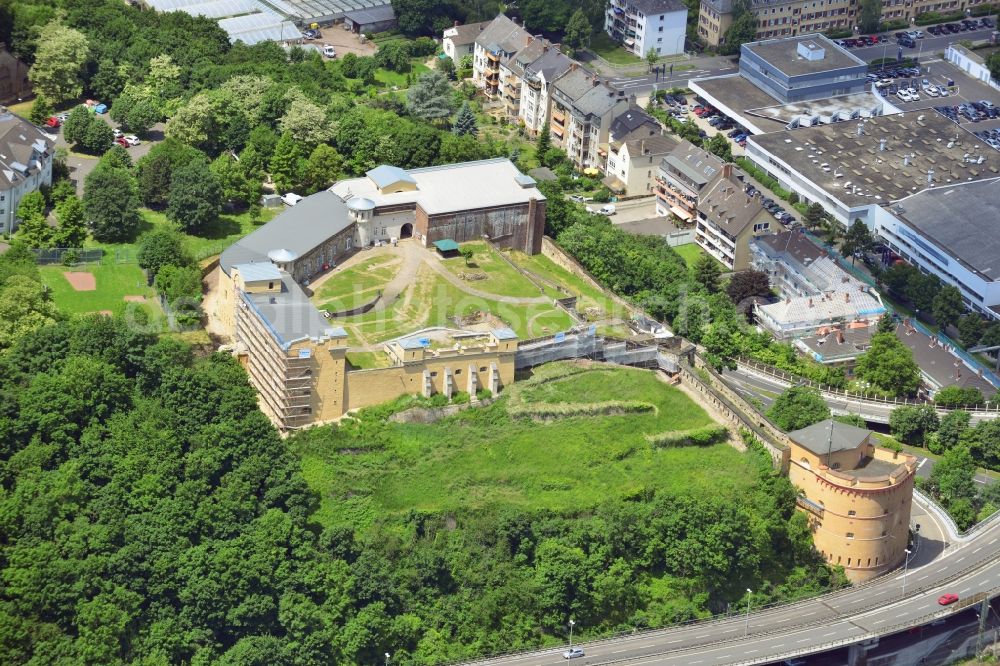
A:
52, 121
122, 142
946, 599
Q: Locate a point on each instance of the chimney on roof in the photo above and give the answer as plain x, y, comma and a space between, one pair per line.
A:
810, 302
847, 298
458, 23
573, 66
642, 147
840, 336
881, 145
531, 38
545, 48
727, 170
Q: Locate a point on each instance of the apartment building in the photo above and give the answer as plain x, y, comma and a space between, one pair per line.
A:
786, 18
536, 82
582, 111
728, 218
459, 40
642, 26
496, 43
26, 154
512, 74
682, 175
633, 164
816, 294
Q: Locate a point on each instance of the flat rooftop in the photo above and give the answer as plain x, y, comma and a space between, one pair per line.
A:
850, 161
452, 187
784, 55
764, 111
962, 219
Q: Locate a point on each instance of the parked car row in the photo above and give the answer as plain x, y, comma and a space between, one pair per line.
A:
964, 25
893, 73
991, 137
770, 205
862, 41
970, 111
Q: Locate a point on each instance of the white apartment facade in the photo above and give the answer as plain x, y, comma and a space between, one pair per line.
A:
644, 25
26, 154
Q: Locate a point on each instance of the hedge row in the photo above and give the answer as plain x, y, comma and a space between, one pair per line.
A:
565, 410
704, 436
767, 181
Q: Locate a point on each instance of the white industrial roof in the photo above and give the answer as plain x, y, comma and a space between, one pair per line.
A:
451, 187
224, 8
260, 27
317, 9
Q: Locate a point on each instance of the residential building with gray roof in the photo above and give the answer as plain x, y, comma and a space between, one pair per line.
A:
26, 153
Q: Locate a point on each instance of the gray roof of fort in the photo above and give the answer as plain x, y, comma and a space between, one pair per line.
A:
962, 219
852, 169
817, 437
299, 228
782, 54
290, 315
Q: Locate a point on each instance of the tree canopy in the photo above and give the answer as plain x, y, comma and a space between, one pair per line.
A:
888, 366
798, 407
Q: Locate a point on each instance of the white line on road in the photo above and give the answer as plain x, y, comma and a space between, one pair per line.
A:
992, 542
804, 640
977, 550
924, 576
960, 559
829, 634
921, 463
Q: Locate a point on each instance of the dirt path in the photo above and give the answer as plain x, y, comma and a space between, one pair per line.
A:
210, 305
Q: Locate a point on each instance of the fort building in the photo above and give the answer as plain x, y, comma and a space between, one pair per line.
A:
296, 357
857, 497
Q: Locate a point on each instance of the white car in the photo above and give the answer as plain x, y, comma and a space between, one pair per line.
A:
573, 653
606, 209
291, 198
942, 91
132, 139
329, 51
931, 91
904, 95
117, 132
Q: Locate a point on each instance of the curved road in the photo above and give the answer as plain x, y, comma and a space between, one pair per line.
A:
840, 618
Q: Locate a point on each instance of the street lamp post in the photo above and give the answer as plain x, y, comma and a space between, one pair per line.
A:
746, 629
387, 655
906, 565
571, 623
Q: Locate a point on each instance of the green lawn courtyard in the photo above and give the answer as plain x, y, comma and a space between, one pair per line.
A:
485, 459
689, 253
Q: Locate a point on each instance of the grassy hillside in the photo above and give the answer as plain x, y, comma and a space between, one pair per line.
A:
485, 457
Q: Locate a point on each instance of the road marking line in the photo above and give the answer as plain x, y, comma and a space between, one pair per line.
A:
804, 640
703, 636
992, 542
778, 645
829, 634
960, 559
808, 614
618, 651
921, 463
751, 651
977, 550
965, 590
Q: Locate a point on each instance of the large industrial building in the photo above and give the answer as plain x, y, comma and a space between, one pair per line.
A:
854, 168
255, 21
858, 497
295, 357
951, 231
793, 82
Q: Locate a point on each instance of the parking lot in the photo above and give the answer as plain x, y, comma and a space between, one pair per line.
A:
965, 91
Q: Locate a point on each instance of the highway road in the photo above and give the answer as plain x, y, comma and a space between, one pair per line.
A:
840, 618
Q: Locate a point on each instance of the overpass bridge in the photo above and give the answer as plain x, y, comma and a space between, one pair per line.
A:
969, 567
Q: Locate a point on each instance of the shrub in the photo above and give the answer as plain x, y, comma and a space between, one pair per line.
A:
566, 410
930, 18
460, 398
484, 394
704, 436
